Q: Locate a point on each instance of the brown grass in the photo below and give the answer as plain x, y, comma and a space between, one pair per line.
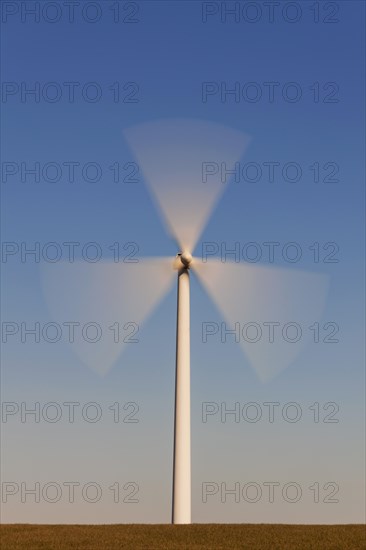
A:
188, 537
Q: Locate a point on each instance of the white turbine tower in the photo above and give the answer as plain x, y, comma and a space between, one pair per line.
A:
181, 508
172, 154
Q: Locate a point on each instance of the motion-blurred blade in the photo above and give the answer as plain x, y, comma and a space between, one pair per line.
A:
271, 309
186, 164
109, 300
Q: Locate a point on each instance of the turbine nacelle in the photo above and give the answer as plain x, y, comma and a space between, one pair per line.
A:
183, 259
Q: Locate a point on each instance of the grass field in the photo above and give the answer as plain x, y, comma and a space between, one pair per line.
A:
195, 537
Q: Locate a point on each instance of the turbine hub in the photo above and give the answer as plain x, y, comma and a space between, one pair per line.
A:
186, 259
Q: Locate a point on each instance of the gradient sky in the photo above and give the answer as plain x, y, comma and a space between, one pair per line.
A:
169, 52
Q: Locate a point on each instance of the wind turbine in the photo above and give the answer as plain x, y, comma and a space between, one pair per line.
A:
171, 154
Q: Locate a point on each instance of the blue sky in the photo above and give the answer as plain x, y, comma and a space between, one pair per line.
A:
168, 54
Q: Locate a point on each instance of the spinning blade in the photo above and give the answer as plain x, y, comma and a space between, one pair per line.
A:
171, 154
105, 294
247, 293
